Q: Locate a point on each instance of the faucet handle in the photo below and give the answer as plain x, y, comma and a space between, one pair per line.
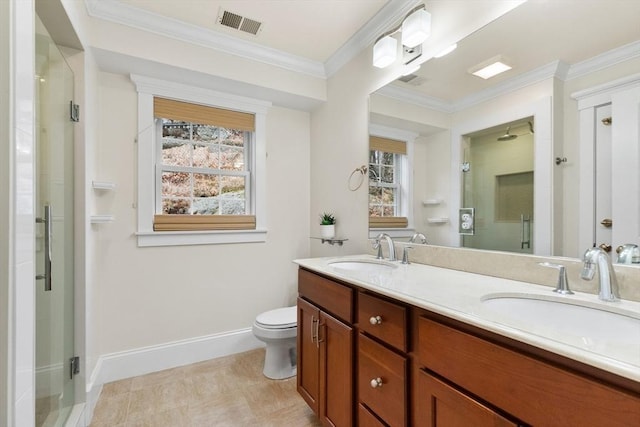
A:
405, 254
562, 286
377, 244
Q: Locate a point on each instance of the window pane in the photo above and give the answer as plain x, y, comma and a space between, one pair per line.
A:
232, 137
387, 175
388, 211
375, 195
205, 156
205, 185
232, 198
176, 129
387, 158
231, 158
388, 196
205, 133
374, 174
176, 184
205, 206
175, 206
175, 153
375, 211
373, 156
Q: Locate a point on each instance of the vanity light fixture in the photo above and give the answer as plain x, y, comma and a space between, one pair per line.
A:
385, 51
415, 28
490, 68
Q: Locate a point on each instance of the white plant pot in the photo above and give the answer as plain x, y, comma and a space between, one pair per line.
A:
328, 231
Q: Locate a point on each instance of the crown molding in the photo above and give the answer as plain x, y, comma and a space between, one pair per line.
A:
556, 69
604, 60
412, 97
120, 13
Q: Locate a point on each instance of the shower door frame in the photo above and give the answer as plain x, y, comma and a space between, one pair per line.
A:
543, 240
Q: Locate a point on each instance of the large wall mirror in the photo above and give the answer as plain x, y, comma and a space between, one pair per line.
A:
510, 146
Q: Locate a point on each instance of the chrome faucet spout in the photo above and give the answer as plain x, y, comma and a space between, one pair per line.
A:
608, 284
392, 249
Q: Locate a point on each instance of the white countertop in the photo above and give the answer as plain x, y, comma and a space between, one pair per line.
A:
459, 295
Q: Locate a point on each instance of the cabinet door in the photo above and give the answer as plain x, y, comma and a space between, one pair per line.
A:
336, 379
308, 354
443, 406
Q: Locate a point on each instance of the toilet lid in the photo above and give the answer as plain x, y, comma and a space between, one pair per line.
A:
279, 318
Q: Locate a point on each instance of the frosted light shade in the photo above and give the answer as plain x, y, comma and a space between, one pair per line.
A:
416, 28
385, 51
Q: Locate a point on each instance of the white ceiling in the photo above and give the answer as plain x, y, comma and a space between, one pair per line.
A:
313, 29
319, 36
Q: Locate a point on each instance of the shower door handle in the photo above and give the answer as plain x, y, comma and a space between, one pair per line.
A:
46, 220
525, 235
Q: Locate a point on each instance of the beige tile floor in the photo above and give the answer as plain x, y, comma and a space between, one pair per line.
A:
228, 391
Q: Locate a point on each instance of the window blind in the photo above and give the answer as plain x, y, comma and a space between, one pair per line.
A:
387, 145
388, 222
203, 222
202, 114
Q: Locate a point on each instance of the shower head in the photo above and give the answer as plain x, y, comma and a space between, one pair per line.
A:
507, 136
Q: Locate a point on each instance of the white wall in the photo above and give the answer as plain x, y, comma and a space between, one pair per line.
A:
151, 296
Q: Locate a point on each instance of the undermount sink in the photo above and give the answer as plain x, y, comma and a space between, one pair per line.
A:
369, 266
590, 325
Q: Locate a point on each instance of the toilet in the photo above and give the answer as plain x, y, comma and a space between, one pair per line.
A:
278, 330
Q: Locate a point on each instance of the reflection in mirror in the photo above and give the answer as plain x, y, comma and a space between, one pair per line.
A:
498, 184
549, 64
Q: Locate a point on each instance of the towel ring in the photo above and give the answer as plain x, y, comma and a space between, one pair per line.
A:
363, 171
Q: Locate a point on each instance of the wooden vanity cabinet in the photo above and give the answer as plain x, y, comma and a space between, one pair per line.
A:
325, 349
436, 371
442, 405
537, 392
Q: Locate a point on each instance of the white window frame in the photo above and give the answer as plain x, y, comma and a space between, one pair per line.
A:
147, 89
405, 179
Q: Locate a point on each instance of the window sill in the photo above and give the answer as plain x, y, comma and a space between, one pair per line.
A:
182, 238
392, 232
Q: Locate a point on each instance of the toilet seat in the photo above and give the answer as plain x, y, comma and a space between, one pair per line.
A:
280, 318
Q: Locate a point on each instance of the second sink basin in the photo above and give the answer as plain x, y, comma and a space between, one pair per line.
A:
592, 326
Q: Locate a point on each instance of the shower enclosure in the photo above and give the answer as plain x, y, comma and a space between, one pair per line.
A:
54, 245
498, 183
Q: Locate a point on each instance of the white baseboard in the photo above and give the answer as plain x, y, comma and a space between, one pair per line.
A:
141, 361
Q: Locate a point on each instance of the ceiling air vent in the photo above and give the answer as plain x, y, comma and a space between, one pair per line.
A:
412, 79
239, 22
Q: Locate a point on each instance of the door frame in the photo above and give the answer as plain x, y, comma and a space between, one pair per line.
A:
588, 100
543, 196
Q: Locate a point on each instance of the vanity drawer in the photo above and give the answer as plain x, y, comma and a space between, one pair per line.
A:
382, 381
507, 379
383, 319
335, 298
367, 419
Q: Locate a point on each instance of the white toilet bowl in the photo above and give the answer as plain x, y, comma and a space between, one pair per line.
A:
278, 330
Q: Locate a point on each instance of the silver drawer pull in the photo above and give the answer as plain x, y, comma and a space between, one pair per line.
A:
375, 320
376, 382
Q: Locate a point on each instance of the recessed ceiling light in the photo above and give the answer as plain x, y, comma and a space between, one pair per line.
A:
490, 68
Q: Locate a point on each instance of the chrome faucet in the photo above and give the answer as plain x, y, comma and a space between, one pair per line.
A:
608, 287
378, 245
416, 236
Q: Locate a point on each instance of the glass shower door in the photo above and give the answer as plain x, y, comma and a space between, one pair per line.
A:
498, 184
54, 245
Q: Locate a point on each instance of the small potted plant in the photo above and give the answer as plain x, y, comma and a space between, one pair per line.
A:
327, 226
